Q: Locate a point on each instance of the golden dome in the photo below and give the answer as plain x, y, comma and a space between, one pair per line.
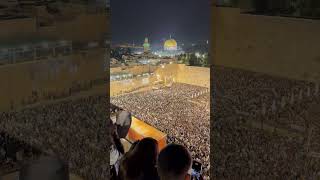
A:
170, 44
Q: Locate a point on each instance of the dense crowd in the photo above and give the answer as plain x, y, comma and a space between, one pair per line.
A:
263, 127
74, 130
181, 111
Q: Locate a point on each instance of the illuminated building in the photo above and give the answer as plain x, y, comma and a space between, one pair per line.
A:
170, 45
170, 49
146, 45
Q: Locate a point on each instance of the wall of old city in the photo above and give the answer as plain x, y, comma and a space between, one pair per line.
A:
12, 29
74, 29
280, 46
199, 76
125, 86
134, 70
84, 27
56, 77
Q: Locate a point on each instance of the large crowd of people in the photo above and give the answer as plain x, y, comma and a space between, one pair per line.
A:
263, 126
144, 161
181, 111
72, 129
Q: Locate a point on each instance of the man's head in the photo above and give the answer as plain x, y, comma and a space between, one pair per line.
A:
174, 161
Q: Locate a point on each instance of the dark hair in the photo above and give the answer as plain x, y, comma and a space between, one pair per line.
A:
174, 161
140, 161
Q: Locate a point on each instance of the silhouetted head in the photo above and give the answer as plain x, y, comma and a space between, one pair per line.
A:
141, 160
174, 161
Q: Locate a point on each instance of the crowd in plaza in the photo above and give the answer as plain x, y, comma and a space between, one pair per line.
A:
143, 161
261, 127
181, 111
74, 130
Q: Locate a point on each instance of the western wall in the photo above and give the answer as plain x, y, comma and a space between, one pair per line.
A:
199, 76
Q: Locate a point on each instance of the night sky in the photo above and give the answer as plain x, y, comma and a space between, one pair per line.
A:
186, 20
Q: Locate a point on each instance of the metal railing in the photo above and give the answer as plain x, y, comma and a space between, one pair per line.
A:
34, 52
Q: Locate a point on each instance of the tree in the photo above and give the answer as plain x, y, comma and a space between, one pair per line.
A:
193, 60
185, 59
205, 61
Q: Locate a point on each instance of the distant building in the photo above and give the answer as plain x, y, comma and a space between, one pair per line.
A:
170, 45
170, 48
146, 45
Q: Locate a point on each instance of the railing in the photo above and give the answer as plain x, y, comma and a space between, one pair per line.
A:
34, 52
43, 51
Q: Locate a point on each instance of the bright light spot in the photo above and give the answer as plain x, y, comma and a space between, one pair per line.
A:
162, 66
198, 55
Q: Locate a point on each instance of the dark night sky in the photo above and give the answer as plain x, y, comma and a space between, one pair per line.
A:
186, 20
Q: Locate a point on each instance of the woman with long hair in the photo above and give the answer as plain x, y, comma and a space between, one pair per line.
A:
140, 162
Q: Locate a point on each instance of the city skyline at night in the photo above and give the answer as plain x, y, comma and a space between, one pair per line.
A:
186, 21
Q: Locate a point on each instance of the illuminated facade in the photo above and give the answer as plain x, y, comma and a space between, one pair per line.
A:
146, 45
170, 49
170, 45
